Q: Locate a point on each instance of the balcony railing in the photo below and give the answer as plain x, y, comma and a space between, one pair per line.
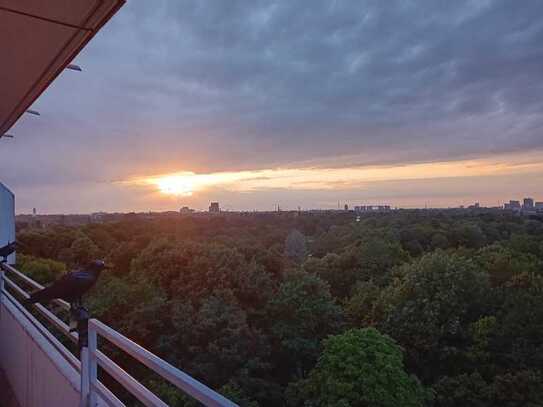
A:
92, 391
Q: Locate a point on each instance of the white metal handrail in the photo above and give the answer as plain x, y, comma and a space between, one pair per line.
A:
33, 283
91, 358
106, 394
57, 322
138, 390
175, 376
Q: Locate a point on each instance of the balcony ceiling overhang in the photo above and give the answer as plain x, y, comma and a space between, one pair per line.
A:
38, 39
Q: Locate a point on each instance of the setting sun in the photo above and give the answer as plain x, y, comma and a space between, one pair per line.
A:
187, 183
176, 185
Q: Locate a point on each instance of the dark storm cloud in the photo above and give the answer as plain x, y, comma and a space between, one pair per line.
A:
350, 77
226, 85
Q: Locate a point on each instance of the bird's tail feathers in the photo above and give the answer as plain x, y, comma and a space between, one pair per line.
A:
36, 297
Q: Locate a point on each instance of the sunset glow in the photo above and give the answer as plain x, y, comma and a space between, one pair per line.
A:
176, 185
273, 105
188, 183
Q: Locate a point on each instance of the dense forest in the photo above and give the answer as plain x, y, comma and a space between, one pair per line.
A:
407, 308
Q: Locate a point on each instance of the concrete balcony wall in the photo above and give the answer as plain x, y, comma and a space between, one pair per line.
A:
38, 375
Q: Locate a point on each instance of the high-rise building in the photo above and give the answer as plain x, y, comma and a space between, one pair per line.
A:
214, 207
539, 205
514, 204
185, 210
528, 204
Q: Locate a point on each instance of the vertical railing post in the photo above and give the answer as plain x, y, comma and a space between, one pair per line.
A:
93, 372
85, 383
81, 316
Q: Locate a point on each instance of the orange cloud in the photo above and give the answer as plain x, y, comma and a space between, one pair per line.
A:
314, 178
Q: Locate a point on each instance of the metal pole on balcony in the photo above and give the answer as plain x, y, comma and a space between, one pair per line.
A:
93, 368
81, 316
85, 383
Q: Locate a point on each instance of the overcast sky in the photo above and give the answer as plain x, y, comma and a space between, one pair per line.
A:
240, 86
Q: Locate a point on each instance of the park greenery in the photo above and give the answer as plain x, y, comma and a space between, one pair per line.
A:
407, 308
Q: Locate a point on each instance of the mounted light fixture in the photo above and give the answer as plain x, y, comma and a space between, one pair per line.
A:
74, 67
34, 112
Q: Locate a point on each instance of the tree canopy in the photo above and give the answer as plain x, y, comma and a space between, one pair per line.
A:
361, 368
434, 308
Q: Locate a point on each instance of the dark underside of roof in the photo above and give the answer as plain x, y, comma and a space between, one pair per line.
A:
38, 39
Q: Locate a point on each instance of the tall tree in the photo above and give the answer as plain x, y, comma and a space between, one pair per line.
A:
295, 246
303, 313
360, 368
430, 306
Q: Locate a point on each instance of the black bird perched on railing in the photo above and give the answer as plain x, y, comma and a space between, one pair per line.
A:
6, 250
71, 286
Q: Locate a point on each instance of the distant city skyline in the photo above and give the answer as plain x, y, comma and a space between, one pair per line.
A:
215, 207
297, 103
